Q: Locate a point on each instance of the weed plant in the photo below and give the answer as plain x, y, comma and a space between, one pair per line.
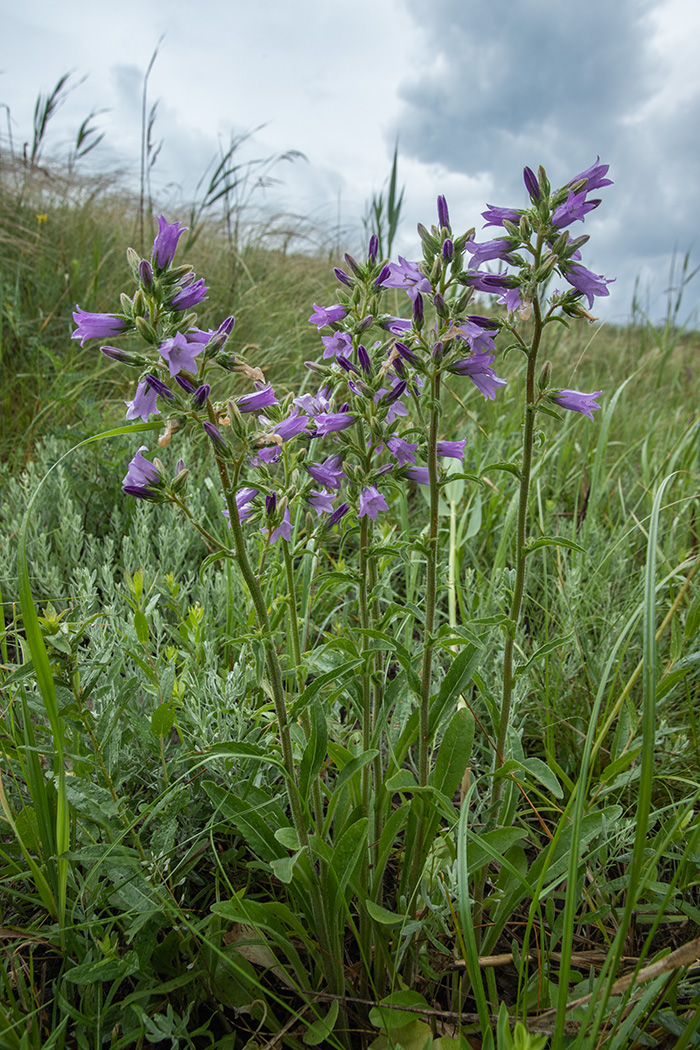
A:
292, 789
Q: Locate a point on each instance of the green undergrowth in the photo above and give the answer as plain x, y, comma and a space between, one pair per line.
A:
152, 888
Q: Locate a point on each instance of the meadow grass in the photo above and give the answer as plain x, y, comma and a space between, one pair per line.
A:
146, 887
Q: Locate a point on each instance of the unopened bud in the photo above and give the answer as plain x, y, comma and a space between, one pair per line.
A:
430, 243
124, 357
448, 249
146, 330
146, 274
545, 375
441, 305
127, 305
179, 482
418, 311
364, 324
199, 398
139, 304
132, 257
438, 350
343, 277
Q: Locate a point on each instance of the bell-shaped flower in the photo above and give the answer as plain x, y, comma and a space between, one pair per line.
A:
577, 401
371, 502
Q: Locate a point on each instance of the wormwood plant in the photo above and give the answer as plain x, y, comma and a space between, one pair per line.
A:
361, 812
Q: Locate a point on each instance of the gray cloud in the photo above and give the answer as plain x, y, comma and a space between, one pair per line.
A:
510, 84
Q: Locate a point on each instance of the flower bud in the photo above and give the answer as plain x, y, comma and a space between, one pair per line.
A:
364, 324
217, 438
343, 277
545, 375
438, 351
418, 311
545, 187
431, 245
186, 384
140, 306
124, 357
199, 398
161, 388
179, 482
270, 504
322, 370
364, 361
146, 331
146, 274
132, 257
532, 185
443, 214
448, 249
441, 305
373, 248
382, 276
127, 305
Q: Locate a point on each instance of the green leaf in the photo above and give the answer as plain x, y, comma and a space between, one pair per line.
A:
162, 720
388, 1016
510, 468
347, 851
543, 650
553, 541
454, 753
141, 624
536, 768
384, 916
314, 752
321, 1029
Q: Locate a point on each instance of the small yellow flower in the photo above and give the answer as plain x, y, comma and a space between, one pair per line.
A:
41, 218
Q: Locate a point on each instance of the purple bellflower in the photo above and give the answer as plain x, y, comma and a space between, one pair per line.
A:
143, 404
453, 449
263, 397
480, 341
500, 248
577, 401
324, 315
244, 497
189, 292
140, 476
321, 502
482, 375
402, 450
336, 344
420, 475
294, 424
284, 529
166, 242
327, 473
595, 176
371, 502
443, 214
532, 185
494, 216
180, 353
406, 275
586, 282
575, 207
96, 326
329, 422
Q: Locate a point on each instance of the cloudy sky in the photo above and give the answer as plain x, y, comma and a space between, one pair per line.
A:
472, 90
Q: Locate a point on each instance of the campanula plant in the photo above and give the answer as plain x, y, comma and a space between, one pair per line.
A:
294, 471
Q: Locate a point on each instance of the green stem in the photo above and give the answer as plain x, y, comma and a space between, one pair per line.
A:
299, 672
430, 583
520, 550
332, 965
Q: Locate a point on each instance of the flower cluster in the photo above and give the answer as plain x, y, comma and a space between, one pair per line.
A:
364, 430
